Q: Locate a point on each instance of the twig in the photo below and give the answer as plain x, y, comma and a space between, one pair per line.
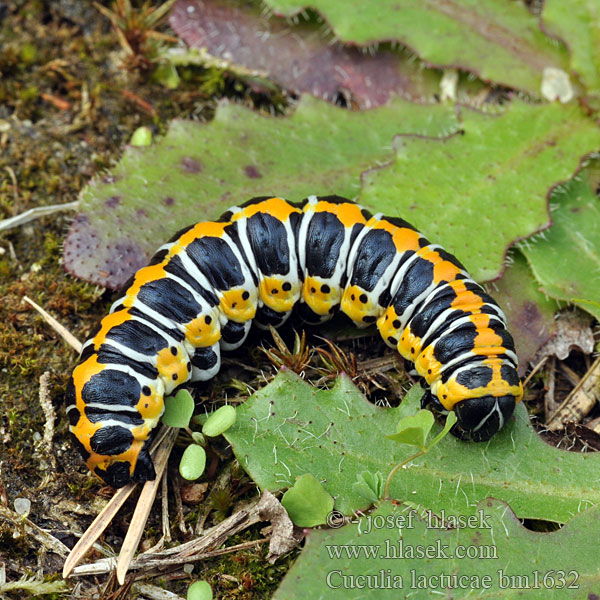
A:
580, 400
36, 213
94, 531
50, 417
13, 178
43, 537
165, 508
143, 507
208, 545
62, 331
534, 371
102, 521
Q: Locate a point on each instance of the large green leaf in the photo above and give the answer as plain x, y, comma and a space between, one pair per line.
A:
499, 41
492, 557
478, 192
566, 259
198, 170
290, 428
578, 24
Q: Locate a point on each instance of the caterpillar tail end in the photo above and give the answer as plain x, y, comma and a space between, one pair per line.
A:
118, 473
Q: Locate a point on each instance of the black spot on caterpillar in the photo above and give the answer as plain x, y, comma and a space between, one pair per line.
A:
257, 263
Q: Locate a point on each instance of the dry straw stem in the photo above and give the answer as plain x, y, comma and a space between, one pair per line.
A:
207, 546
580, 401
62, 331
45, 445
49, 542
143, 507
36, 213
101, 522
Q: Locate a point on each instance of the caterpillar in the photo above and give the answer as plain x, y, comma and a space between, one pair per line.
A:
258, 263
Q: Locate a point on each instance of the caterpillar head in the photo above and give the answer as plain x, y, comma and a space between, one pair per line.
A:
478, 419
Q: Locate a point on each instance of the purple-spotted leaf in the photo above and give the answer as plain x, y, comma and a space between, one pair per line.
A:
529, 312
199, 170
498, 41
299, 58
477, 193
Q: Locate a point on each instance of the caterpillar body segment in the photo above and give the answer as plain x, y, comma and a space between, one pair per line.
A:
261, 262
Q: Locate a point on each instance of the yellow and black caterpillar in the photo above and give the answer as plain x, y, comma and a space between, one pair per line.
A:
258, 263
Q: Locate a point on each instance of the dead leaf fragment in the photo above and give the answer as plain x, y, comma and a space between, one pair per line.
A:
284, 537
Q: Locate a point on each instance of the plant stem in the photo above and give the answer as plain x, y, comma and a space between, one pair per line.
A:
388, 481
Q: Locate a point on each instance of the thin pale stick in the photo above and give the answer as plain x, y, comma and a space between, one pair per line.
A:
144, 505
102, 521
534, 371
66, 335
36, 213
94, 531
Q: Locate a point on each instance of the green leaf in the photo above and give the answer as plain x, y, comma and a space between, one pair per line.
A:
198, 170
578, 24
451, 419
219, 421
200, 590
369, 485
193, 462
289, 428
414, 429
395, 553
460, 191
142, 136
566, 258
498, 41
178, 409
306, 502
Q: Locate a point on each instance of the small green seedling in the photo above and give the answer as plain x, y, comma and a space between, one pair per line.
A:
200, 590
369, 485
178, 409
193, 462
219, 421
413, 430
142, 136
307, 502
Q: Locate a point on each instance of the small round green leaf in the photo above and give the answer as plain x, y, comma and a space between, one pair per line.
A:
178, 409
192, 462
414, 429
219, 421
142, 136
200, 590
307, 502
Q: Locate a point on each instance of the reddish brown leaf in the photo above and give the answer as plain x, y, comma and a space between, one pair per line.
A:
301, 59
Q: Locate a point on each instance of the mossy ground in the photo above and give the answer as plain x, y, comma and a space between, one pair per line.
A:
67, 108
